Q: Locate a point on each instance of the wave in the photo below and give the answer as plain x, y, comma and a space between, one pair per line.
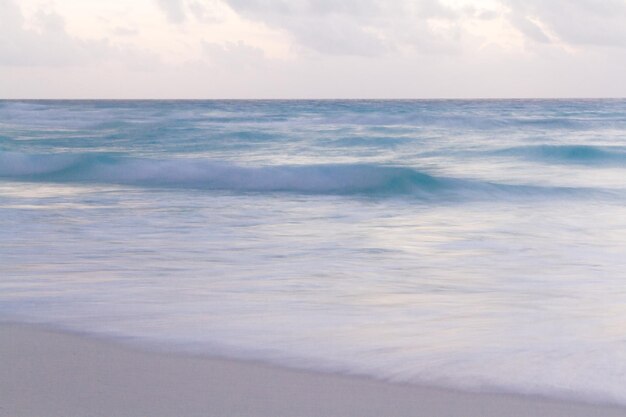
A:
337, 179
570, 154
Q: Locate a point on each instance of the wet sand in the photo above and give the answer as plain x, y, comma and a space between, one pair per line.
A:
45, 373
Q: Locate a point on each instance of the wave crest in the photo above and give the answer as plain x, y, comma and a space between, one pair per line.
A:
337, 179
217, 175
569, 154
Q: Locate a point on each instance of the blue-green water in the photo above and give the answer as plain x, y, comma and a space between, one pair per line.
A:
474, 244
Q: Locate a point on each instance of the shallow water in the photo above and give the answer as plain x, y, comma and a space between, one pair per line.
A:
474, 244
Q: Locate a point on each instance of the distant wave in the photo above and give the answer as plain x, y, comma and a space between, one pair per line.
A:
338, 179
570, 154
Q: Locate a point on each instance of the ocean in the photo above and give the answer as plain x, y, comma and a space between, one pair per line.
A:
470, 244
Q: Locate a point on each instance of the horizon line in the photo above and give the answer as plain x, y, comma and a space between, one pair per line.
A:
317, 99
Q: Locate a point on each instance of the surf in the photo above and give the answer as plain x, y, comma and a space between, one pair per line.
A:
205, 174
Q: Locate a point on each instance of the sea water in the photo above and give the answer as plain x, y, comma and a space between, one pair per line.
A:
478, 245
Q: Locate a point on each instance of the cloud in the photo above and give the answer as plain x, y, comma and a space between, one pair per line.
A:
575, 22
335, 28
202, 13
49, 45
529, 28
354, 27
180, 11
314, 48
174, 10
233, 56
124, 31
10, 15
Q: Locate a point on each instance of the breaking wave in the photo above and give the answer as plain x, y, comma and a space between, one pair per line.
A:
332, 179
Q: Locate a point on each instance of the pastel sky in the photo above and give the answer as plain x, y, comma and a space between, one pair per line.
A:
312, 48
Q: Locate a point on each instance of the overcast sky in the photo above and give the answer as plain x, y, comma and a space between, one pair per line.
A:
312, 48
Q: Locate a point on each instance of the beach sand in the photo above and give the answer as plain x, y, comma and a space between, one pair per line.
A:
46, 373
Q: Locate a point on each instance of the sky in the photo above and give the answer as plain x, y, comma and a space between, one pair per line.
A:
312, 48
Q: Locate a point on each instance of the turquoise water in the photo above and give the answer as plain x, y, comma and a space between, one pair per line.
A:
474, 244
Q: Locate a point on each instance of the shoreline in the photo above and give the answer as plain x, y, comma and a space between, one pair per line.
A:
51, 373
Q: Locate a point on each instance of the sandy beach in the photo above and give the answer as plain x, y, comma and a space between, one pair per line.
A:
46, 373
